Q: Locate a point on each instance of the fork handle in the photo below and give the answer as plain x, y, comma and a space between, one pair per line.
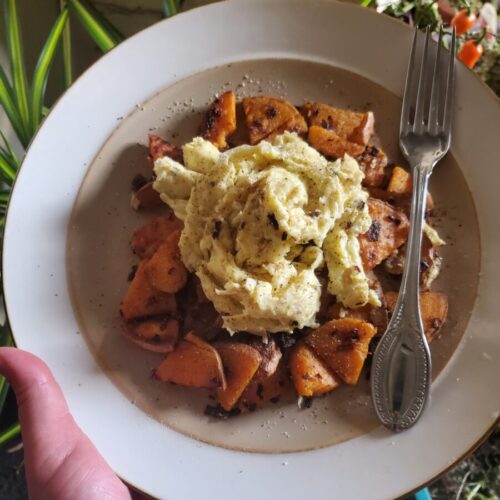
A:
401, 370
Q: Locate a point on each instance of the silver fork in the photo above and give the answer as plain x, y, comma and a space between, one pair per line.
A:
401, 369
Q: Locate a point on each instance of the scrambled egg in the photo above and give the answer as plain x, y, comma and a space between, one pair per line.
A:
260, 221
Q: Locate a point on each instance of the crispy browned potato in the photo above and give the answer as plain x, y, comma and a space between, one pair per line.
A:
147, 239
310, 375
146, 198
158, 148
157, 334
165, 269
240, 363
267, 117
270, 353
373, 163
220, 120
142, 299
193, 363
330, 144
402, 201
343, 345
346, 124
389, 230
264, 388
433, 308
377, 316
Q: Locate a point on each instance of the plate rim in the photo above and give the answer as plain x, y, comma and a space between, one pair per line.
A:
102, 60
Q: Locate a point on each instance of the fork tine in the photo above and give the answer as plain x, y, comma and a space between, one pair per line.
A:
418, 122
404, 125
449, 88
433, 121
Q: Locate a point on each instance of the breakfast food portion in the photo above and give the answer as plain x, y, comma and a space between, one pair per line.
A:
264, 271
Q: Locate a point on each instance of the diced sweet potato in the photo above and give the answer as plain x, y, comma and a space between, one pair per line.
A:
264, 388
146, 198
142, 299
373, 163
165, 269
433, 308
193, 363
343, 345
268, 116
330, 144
271, 355
157, 334
158, 148
310, 375
402, 201
389, 230
240, 363
220, 120
348, 125
147, 239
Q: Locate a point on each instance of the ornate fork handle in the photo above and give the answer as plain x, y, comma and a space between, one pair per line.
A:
401, 370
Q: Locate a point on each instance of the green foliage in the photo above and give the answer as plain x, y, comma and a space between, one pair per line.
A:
24, 105
171, 7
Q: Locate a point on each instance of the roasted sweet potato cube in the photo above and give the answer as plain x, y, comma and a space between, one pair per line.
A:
194, 363
330, 144
157, 334
400, 181
373, 163
264, 388
142, 299
158, 148
267, 117
310, 375
348, 125
147, 239
240, 363
343, 345
433, 308
377, 316
165, 269
388, 231
220, 120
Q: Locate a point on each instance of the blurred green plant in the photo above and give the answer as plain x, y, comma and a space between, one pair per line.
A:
23, 102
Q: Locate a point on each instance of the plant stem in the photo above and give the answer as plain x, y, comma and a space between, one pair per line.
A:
12, 432
66, 50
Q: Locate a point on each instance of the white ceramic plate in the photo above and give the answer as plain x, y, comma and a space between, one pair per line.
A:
289, 42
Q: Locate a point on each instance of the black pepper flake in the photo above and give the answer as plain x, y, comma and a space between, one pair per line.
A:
250, 406
213, 115
395, 220
217, 229
275, 400
257, 124
375, 151
361, 205
272, 219
285, 340
325, 124
131, 275
284, 236
373, 233
271, 112
423, 265
260, 391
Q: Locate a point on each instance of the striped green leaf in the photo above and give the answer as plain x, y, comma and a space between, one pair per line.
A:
11, 155
18, 66
7, 172
7, 100
171, 7
4, 200
104, 35
41, 73
9, 434
66, 50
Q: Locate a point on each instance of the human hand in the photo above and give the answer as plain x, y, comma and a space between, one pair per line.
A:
61, 462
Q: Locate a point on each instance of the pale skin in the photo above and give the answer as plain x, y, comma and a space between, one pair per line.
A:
61, 462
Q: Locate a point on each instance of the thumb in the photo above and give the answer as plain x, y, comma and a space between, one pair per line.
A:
61, 462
